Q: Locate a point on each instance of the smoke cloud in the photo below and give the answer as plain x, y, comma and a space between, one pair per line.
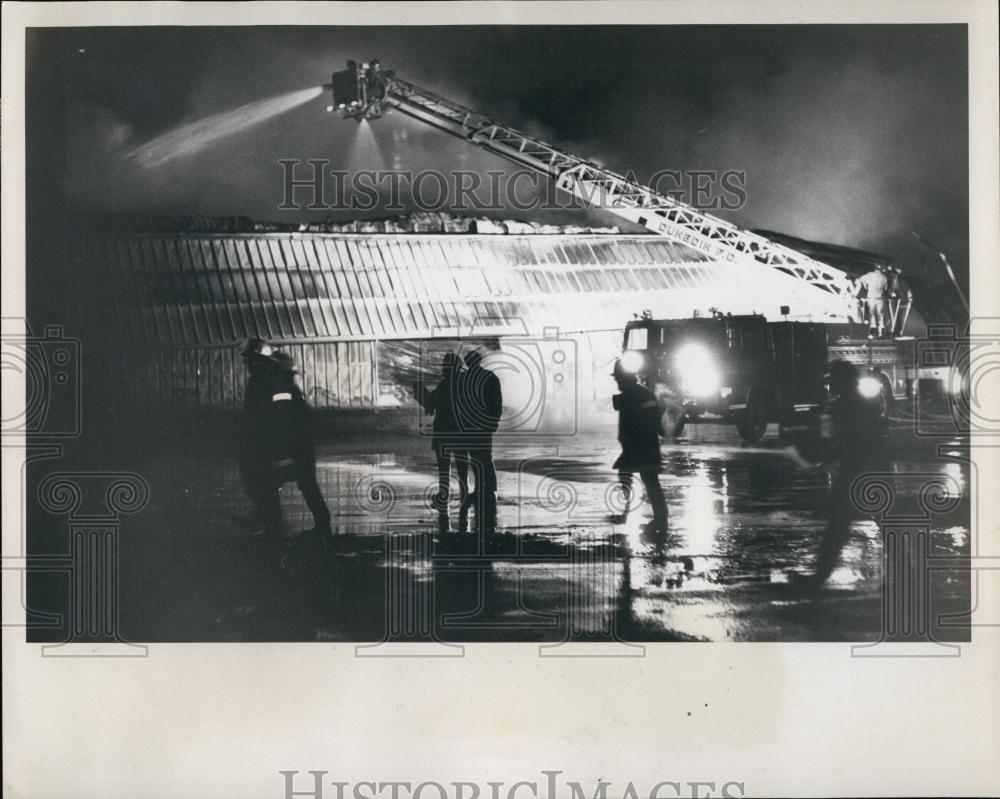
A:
852, 135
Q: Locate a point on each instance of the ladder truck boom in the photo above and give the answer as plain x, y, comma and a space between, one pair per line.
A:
364, 91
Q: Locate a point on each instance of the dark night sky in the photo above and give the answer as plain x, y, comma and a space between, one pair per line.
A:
849, 135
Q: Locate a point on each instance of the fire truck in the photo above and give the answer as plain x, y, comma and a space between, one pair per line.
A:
750, 371
742, 368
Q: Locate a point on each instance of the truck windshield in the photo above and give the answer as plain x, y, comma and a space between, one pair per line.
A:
638, 338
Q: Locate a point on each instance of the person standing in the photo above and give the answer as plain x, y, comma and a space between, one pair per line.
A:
875, 285
639, 432
445, 439
479, 407
902, 297
295, 451
258, 441
858, 444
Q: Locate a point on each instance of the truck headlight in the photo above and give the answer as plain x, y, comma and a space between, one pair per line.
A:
632, 361
869, 387
699, 375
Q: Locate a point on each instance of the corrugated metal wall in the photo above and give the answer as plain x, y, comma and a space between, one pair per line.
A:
158, 290
166, 313
332, 375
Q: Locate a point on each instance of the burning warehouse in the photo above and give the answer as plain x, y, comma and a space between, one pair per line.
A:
166, 305
557, 400
466, 374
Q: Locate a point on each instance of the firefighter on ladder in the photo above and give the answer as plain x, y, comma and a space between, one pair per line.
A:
874, 288
900, 299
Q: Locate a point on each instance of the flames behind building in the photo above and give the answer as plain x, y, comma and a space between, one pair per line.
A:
162, 307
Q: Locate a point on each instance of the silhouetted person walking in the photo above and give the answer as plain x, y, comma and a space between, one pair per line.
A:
276, 445
639, 431
446, 441
295, 450
858, 443
479, 408
258, 440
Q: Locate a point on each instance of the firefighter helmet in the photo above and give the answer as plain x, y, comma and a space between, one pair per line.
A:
258, 347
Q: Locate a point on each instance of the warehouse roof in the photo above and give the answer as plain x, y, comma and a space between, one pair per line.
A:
148, 290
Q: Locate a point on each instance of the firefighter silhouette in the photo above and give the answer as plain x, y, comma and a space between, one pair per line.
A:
479, 406
276, 445
446, 440
639, 431
858, 445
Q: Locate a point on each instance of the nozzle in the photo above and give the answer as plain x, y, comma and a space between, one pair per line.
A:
359, 91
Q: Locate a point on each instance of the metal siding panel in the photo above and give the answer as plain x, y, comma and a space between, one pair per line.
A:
571, 281
338, 360
326, 396
238, 298
388, 268
324, 277
380, 283
277, 297
358, 291
364, 251
422, 255
342, 387
651, 256
406, 278
408, 321
255, 315
270, 291
346, 305
315, 398
350, 309
236, 328
442, 254
309, 291
574, 254
203, 274
284, 260
193, 280
484, 259
380, 316
420, 316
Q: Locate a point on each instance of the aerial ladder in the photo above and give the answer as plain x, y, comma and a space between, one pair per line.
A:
365, 91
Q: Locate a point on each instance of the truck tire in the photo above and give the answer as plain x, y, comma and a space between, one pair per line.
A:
751, 424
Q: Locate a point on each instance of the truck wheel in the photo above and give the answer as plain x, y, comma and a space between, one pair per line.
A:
751, 424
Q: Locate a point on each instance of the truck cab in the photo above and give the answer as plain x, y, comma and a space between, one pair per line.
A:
740, 369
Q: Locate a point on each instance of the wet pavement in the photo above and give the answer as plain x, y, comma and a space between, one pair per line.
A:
744, 522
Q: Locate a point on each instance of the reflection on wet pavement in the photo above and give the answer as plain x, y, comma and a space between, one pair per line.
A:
743, 522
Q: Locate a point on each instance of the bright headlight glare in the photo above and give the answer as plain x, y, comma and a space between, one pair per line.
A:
632, 361
699, 376
869, 387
